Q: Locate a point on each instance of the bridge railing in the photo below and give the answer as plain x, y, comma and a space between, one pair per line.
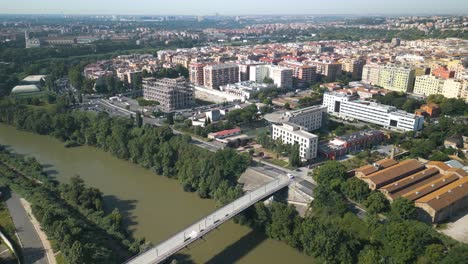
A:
206, 224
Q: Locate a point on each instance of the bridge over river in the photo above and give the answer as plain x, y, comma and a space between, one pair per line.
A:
182, 239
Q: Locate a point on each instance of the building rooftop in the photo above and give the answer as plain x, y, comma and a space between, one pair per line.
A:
405, 167
34, 78
31, 88
446, 195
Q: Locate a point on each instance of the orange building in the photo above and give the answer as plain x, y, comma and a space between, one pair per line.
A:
443, 72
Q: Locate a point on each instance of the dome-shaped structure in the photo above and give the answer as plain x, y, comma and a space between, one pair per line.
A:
25, 89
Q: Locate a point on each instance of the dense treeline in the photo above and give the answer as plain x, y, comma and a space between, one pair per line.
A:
157, 148
332, 234
72, 215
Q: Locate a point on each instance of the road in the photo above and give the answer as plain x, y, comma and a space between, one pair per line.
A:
33, 250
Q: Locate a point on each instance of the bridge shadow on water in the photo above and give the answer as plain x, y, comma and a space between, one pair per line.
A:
239, 249
126, 208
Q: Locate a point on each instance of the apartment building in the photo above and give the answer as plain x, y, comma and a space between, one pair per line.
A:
217, 75
397, 78
371, 74
293, 134
183, 60
281, 76
196, 73
354, 67
310, 117
172, 94
428, 84
331, 70
389, 117
303, 74
454, 88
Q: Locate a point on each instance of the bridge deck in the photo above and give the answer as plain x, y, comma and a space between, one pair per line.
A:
182, 239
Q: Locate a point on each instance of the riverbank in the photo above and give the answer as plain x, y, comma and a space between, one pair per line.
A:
155, 207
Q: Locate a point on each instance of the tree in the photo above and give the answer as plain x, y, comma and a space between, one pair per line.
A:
294, 157
376, 203
369, 255
356, 189
331, 174
139, 119
267, 80
403, 209
287, 106
170, 119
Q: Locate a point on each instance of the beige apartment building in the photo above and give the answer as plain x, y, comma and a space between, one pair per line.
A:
217, 75
371, 73
172, 94
397, 78
196, 73
428, 84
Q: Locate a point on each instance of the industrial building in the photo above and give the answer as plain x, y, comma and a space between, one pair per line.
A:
437, 189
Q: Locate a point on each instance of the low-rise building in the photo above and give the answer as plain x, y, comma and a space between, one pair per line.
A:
225, 133
345, 106
437, 189
310, 118
293, 134
245, 90
342, 145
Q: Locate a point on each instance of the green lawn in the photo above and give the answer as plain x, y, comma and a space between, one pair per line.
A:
280, 163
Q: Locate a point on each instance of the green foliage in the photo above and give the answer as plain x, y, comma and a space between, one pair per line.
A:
403, 209
376, 203
203, 131
241, 116
143, 102
70, 214
400, 101
294, 157
331, 174
449, 106
268, 80
404, 241
156, 148
356, 189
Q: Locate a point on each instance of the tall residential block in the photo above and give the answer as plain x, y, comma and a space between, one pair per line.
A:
397, 78
217, 75
196, 73
371, 74
428, 84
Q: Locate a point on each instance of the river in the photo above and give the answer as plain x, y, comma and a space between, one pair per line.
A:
155, 207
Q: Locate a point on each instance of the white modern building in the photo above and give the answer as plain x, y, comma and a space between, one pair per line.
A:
389, 117
293, 134
281, 76
310, 117
245, 90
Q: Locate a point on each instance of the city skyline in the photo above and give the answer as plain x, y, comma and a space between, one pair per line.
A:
240, 7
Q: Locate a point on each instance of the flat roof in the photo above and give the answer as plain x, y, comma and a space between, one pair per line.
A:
34, 78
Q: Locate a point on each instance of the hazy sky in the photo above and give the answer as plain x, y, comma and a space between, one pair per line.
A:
233, 7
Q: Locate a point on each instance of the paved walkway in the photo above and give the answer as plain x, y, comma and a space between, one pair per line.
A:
33, 250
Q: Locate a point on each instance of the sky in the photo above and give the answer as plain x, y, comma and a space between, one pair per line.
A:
233, 7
